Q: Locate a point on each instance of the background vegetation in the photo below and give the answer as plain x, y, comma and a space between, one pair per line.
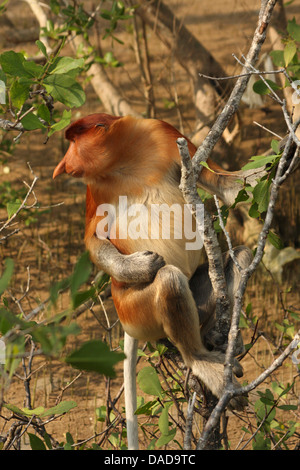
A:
60, 386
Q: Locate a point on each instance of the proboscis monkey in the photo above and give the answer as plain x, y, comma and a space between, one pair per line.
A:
158, 286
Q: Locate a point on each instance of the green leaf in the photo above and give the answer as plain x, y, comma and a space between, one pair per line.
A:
44, 113
12, 64
53, 337
34, 70
32, 122
294, 29
288, 407
7, 274
204, 195
36, 411
69, 438
253, 211
277, 58
205, 164
80, 297
149, 382
95, 356
101, 413
275, 240
62, 407
81, 273
5, 324
19, 93
163, 421
146, 408
289, 52
3, 76
241, 197
275, 146
24, 411
57, 287
65, 64
259, 161
65, 89
224, 215
261, 442
280, 389
35, 442
68, 446
64, 122
261, 88
55, 6
12, 208
47, 441
261, 195
165, 439
9, 320
42, 47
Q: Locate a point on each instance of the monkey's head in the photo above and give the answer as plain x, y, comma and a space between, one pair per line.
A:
88, 154
110, 150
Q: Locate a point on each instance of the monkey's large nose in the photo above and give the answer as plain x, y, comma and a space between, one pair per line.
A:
61, 168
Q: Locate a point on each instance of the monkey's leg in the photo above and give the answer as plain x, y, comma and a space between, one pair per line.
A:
166, 308
174, 300
202, 290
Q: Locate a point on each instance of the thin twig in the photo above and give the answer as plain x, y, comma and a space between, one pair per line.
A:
268, 130
23, 204
231, 252
231, 106
242, 74
229, 391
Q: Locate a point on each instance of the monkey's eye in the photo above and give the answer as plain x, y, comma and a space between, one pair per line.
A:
100, 125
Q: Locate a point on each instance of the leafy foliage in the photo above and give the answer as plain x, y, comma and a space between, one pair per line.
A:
32, 88
288, 58
33, 91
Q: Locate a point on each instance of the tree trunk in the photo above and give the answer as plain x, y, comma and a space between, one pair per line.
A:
192, 56
110, 97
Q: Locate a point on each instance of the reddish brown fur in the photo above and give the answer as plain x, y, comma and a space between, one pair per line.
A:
101, 151
139, 158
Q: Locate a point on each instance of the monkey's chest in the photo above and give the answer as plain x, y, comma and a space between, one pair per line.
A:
154, 223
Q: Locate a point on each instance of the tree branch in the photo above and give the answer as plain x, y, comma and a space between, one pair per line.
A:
229, 391
232, 104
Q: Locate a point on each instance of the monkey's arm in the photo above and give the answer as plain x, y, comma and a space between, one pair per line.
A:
136, 268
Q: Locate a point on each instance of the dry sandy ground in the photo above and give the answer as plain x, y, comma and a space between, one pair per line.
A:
51, 246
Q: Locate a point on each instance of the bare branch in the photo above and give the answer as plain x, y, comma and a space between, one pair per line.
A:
23, 204
11, 126
229, 391
231, 106
231, 252
242, 74
210, 240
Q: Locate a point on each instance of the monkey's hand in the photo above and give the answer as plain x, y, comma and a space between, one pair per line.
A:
136, 268
141, 267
